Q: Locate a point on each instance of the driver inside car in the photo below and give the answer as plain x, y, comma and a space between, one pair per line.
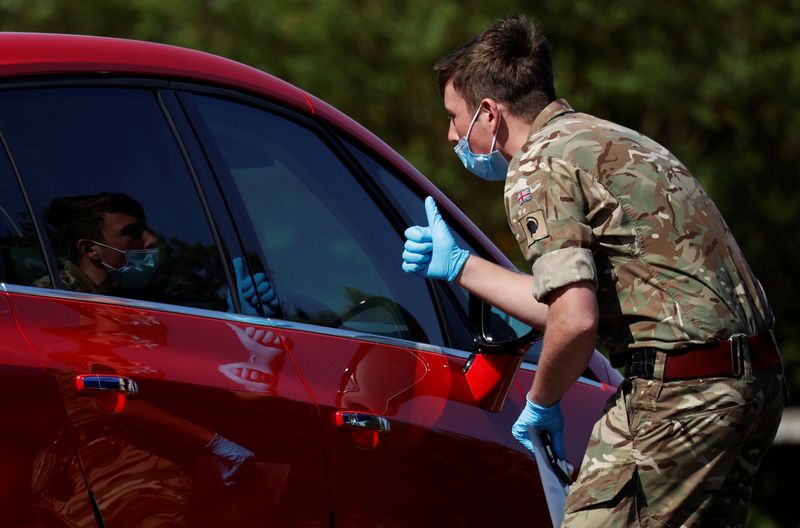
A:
105, 243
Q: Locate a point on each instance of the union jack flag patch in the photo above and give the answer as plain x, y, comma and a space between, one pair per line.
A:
524, 195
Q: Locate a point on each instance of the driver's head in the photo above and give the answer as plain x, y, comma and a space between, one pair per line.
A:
96, 228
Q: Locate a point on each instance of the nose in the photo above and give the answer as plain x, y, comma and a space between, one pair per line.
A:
452, 133
149, 239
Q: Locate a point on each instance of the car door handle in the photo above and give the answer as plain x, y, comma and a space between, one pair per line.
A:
360, 420
105, 382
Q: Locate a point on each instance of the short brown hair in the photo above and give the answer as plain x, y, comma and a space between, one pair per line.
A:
510, 62
71, 218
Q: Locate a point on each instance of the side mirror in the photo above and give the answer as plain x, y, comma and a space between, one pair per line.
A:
496, 332
500, 344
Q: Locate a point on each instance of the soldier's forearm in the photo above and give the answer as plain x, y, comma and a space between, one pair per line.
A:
508, 290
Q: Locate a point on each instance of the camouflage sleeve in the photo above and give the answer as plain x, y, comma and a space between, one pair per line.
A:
546, 209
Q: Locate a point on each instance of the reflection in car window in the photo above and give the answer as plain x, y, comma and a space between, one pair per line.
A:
122, 213
21, 259
331, 252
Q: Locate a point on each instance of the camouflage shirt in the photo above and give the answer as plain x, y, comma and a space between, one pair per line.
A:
590, 200
73, 278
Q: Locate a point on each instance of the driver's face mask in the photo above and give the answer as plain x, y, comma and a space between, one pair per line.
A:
140, 265
490, 167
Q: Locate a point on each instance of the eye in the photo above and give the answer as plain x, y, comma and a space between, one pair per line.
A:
135, 231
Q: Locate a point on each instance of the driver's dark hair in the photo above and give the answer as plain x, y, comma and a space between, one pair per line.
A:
510, 62
71, 218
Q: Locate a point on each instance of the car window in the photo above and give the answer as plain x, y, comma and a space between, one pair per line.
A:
21, 258
106, 177
332, 254
411, 203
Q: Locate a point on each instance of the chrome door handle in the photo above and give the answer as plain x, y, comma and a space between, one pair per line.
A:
359, 420
105, 382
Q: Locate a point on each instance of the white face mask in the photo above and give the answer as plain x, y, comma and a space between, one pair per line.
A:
490, 167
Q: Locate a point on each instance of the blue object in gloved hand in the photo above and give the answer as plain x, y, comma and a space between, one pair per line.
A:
233, 453
251, 290
431, 251
548, 419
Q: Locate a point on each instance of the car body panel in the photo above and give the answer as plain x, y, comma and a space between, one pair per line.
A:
42, 482
38, 54
144, 455
439, 444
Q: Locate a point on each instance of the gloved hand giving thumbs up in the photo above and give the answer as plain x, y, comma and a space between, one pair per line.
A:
252, 290
431, 251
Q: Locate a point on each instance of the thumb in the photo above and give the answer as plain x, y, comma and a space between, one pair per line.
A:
238, 269
431, 211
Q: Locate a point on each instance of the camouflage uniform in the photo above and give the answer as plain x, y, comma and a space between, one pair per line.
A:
589, 200
73, 278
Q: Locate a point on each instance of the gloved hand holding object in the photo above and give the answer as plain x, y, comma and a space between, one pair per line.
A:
548, 419
251, 290
431, 251
231, 452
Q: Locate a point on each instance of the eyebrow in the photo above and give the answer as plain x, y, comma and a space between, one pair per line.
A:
135, 230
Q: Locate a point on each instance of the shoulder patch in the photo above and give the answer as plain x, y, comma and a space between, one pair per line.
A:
524, 195
534, 226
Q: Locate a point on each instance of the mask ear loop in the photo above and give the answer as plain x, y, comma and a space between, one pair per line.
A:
494, 139
124, 254
471, 124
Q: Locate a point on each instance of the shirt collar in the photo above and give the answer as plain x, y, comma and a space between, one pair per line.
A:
556, 108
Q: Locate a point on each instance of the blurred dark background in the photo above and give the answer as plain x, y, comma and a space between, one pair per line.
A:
716, 81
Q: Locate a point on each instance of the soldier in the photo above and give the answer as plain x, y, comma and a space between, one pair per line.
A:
624, 245
105, 242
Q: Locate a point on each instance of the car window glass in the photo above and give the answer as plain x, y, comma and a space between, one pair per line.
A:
105, 173
21, 259
453, 301
333, 255
501, 324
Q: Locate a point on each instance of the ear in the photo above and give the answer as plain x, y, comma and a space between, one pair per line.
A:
491, 107
87, 248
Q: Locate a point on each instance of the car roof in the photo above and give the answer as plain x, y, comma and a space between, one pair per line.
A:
35, 54
23, 54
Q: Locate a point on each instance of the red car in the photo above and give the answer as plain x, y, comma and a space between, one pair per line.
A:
203, 316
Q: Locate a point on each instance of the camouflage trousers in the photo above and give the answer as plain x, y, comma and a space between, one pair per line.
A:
677, 453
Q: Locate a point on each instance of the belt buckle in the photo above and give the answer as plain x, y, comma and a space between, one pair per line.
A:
740, 357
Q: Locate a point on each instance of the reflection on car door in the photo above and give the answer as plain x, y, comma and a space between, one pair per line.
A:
42, 483
146, 454
440, 460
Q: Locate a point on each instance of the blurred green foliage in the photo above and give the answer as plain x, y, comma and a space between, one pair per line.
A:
716, 81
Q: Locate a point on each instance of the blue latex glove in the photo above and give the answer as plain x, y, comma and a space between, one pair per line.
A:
251, 290
431, 251
548, 419
231, 452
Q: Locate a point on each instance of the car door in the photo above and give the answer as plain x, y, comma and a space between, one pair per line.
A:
407, 440
182, 412
42, 483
